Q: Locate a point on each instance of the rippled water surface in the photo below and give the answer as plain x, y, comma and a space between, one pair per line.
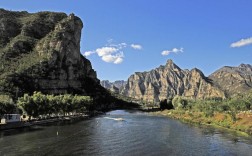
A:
123, 133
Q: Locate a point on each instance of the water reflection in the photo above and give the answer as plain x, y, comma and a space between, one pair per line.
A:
19, 131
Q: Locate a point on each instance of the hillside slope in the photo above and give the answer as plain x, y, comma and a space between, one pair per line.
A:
41, 52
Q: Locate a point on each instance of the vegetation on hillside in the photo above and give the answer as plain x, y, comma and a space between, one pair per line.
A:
19, 61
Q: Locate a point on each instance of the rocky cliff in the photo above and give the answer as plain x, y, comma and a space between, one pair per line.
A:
168, 81
41, 52
233, 80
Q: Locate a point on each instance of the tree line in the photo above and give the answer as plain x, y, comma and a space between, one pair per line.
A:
40, 104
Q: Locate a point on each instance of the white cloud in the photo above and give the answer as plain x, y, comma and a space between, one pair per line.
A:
174, 50
116, 59
136, 46
166, 52
106, 51
111, 52
119, 46
88, 53
242, 42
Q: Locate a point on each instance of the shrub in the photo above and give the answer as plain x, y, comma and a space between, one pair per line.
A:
179, 103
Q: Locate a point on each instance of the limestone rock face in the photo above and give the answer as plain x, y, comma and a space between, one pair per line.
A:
62, 48
233, 80
41, 52
168, 81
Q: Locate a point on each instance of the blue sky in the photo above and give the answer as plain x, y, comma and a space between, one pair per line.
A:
126, 36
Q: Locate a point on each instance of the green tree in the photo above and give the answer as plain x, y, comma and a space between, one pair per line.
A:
27, 105
179, 103
40, 104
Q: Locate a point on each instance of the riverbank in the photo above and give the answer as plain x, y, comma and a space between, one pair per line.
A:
243, 123
23, 124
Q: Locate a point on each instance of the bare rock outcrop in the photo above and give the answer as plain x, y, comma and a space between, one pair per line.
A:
168, 81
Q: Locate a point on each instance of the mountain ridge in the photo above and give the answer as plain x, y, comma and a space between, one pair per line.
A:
168, 81
233, 80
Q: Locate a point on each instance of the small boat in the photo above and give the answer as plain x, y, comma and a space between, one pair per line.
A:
119, 119
116, 119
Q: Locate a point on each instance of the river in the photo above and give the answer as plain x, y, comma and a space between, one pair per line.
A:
124, 133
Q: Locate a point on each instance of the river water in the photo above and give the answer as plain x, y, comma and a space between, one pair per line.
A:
124, 133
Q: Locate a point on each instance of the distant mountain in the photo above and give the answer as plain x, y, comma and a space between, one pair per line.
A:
168, 81
113, 86
233, 80
106, 84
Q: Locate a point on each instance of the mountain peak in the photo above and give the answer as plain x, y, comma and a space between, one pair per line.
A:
245, 65
169, 62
